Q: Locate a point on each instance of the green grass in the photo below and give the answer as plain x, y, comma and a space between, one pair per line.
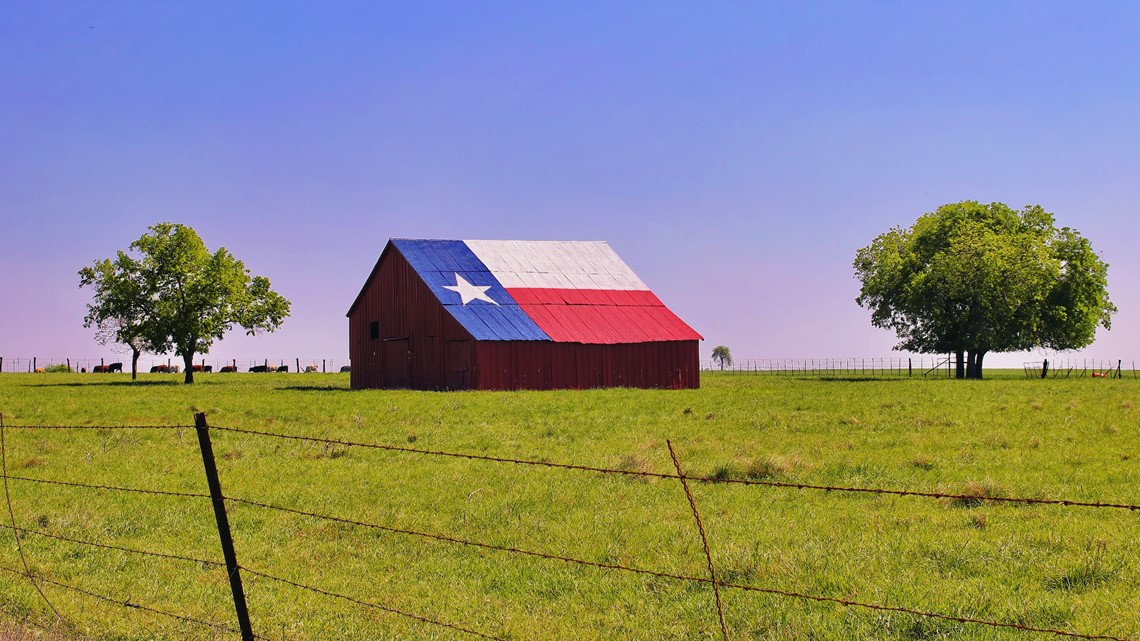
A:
1069, 568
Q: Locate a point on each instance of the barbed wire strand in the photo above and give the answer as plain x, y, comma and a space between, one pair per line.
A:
114, 488
450, 539
101, 427
921, 613
128, 604
161, 555
702, 479
667, 575
12, 516
704, 539
375, 606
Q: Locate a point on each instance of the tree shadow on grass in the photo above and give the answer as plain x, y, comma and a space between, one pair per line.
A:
856, 379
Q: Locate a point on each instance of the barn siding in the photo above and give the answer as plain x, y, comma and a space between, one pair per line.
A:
549, 365
420, 345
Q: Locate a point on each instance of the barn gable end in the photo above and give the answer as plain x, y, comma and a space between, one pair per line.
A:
513, 315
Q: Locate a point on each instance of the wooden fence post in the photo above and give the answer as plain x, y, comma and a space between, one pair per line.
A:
227, 540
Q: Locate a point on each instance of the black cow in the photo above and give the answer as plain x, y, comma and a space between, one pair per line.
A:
228, 368
260, 368
160, 369
115, 367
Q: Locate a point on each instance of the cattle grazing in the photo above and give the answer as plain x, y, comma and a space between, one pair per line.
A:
40, 370
283, 368
261, 368
310, 368
345, 368
100, 369
164, 369
203, 368
228, 368
115, 367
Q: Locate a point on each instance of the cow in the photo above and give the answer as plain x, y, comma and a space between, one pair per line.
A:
283, 368
100, 369
261, 368
203, 368
345, 368
164, 369
115, 367
228, 368
310, 368
40, 370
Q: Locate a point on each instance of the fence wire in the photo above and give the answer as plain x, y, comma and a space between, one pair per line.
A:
712, 580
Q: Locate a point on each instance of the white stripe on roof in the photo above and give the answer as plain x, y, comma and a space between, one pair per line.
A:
555, 264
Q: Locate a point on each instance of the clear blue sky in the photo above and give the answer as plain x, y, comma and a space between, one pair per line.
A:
735, 154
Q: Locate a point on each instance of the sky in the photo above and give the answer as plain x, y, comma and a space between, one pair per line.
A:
735, 154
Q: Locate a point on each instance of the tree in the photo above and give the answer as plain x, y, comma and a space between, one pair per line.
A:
722, 356
118, 309
970, 279
181, 297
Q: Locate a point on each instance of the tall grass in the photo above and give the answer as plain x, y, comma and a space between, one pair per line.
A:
1040, 566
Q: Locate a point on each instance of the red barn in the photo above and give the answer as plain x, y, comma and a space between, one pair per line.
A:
495, 314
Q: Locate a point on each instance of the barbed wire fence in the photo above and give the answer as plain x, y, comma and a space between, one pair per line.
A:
917, 367
234, 569
149, 364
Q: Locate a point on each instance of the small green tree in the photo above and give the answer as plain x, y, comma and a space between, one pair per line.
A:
180, 296
722, 356
972, 279
118, 310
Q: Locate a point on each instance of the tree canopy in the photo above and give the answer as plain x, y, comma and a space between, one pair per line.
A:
178, 296
972, 278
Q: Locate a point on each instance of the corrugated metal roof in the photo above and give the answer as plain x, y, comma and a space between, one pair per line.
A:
566, 291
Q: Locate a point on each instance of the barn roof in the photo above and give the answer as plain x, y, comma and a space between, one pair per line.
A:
564, 291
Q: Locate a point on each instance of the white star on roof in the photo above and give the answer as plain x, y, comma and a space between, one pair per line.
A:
468, 292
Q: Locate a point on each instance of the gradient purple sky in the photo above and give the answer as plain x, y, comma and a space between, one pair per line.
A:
736, 155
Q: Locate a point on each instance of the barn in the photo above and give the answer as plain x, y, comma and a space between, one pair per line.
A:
503, 314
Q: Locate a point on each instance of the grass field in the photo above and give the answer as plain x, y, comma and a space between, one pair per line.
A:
1075, 569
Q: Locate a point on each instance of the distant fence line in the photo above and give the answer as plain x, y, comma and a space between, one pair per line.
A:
918, 366
245, 626
29, 364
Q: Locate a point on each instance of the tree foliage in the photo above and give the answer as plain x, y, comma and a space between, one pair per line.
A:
972, 278
722, 356
118, 309
177, 296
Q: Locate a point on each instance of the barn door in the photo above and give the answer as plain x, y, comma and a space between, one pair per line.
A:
457, 362
397, 362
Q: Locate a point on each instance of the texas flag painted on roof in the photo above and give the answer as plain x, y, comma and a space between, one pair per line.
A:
573, 292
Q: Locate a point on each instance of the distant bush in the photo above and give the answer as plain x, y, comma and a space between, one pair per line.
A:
58, 369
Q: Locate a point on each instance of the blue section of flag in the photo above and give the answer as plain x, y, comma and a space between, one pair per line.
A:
440, 262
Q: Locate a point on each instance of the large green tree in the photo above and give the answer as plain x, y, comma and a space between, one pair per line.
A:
177, 296
970, 279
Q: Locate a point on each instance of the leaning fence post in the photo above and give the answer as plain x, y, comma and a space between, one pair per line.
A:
219, 502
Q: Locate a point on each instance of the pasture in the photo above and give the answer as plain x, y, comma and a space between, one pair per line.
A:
1070, 568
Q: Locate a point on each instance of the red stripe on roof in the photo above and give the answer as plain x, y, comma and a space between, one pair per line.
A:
602, 316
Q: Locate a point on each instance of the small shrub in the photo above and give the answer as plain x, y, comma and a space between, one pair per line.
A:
58, 369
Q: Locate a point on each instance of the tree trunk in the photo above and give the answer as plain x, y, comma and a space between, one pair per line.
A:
188, 360
135, 363
960, 368
976, 363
